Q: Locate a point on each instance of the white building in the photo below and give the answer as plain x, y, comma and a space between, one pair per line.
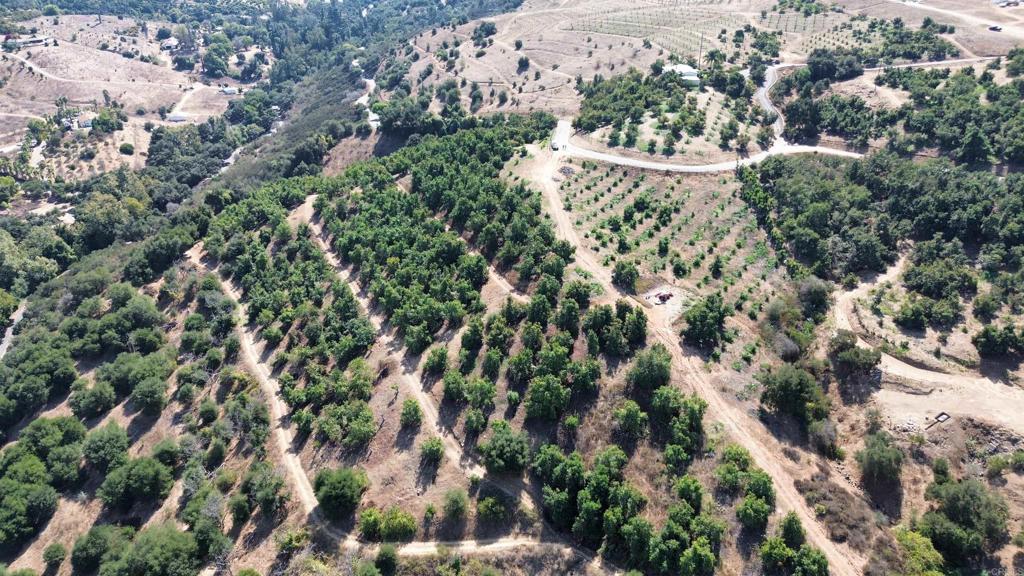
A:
32, 41
688, 73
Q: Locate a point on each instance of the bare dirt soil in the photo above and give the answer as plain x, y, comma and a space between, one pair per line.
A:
915, 388
76, 66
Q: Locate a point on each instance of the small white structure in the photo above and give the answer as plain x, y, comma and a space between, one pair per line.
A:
229, 90
32, 41
687, 73
171, 44
177, 117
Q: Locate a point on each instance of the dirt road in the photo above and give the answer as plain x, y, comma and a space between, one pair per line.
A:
250, 357
968, 393
740, 425
9, 332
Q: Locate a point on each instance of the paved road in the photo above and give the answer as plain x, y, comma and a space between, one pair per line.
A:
562, 141
779, 148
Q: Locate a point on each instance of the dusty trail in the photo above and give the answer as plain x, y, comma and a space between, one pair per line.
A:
741, 426
21, 115
9, 332
250, 357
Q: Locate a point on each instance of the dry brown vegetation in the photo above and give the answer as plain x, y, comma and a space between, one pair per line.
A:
85, 66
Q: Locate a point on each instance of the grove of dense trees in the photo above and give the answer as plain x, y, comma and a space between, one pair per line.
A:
836, 218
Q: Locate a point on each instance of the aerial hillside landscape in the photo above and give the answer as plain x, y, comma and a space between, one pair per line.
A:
528, 287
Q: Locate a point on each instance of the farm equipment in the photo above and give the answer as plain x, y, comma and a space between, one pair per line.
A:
939, 419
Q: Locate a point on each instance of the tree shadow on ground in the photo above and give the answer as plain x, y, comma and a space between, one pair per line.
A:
886, 497
858, 388
748, 542
426, 474
783, 428
405, 437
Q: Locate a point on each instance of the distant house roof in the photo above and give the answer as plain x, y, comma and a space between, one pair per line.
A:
31, 40
177, 117
169, 44
687, 73
229, 90
682, 69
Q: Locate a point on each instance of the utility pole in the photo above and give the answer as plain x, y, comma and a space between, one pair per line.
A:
700, 50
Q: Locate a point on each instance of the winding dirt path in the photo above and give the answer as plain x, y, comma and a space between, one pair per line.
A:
563, 136
967, 393
746, 430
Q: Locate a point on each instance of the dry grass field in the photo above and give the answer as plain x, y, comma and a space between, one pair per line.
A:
70, 164
85, 65
566, 40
